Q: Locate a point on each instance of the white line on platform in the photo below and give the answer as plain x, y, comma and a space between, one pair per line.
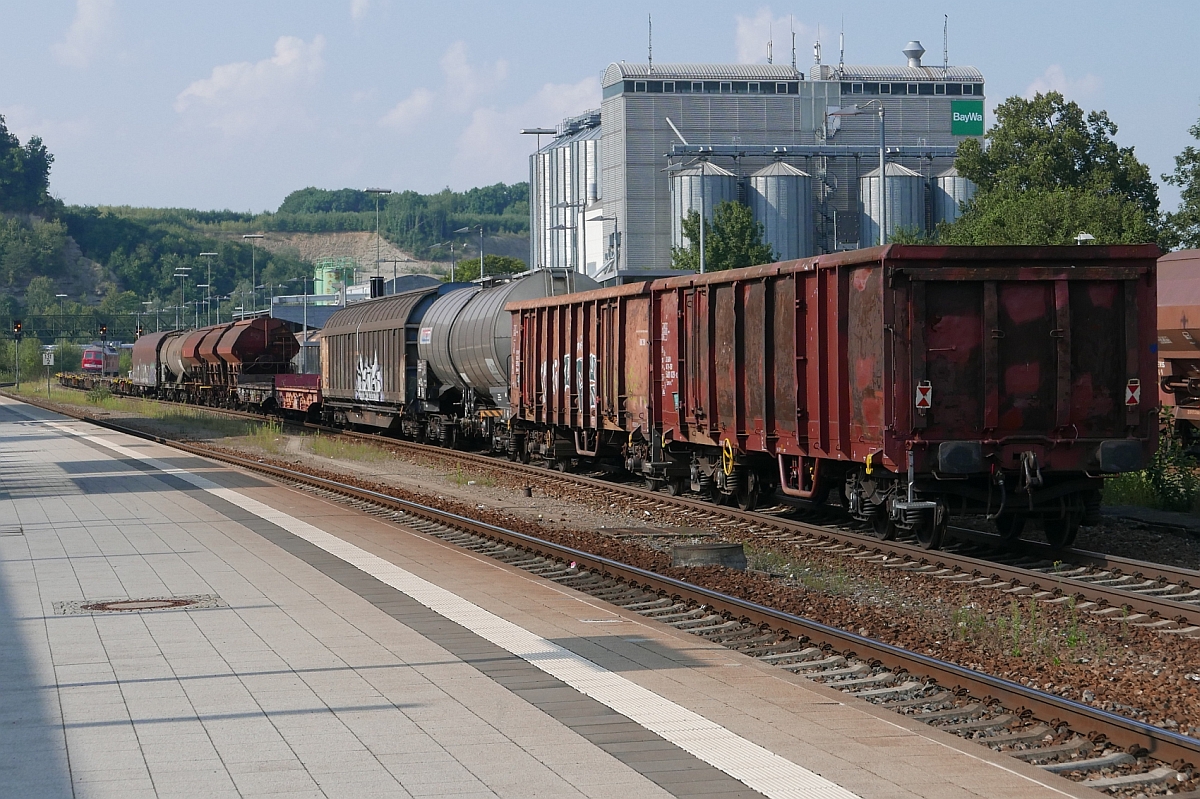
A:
744, 760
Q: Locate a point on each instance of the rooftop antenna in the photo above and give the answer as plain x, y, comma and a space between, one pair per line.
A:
817, 47
793, 29
650, 41
946, 45
842, 47
771, 44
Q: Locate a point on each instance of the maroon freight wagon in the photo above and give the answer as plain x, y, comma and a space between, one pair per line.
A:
917, 382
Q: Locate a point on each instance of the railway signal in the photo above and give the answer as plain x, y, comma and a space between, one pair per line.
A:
103, 332
17, 326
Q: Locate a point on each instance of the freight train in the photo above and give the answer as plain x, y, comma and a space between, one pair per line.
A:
1179, 342
912, 382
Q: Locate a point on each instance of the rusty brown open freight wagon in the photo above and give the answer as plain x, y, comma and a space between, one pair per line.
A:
917, 382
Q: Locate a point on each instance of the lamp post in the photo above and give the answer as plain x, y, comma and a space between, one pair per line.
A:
377, 193
858, 110
535, 180
208, 256
468, 229
253, 237
181, 272
207, 309
617, 238
582, 244
443, 244
62, 324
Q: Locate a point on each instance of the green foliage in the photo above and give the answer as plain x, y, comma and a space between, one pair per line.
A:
910, 235
1048, 216
1048, 143
1182, 228
1171, 482
144, 251
1050, 172
24, 174
468, 268
30, 247
407, 219
731, 241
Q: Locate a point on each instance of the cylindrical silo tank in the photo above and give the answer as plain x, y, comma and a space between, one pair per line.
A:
950, 191
781, 201
433, 343
905, 203
481, 335
702, 185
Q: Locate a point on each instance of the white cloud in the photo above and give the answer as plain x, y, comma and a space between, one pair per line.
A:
25, 122
464, 82
87, 33
243, 97
491, 147
359, 9
408, 112
753, 33
1054, 79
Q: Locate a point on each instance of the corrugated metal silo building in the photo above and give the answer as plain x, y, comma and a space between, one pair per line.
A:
746, 105
780, 197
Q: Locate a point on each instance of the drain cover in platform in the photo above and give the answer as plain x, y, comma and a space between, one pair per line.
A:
139, 604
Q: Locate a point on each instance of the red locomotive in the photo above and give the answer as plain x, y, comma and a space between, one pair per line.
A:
100, 359
917, 382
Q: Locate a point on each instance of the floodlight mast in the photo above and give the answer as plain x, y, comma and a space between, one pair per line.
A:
858, 110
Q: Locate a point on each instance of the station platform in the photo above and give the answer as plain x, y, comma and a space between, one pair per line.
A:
170, 626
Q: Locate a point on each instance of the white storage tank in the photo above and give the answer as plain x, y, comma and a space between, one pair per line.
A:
905, 203
781, 200
950, 191
701, 184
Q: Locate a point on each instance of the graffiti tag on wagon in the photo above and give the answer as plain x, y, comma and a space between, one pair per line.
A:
368, 380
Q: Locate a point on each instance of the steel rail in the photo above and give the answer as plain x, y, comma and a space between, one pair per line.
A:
1160, 607
1133, 735
1156, 606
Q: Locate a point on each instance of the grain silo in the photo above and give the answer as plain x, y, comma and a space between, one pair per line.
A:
905, 203
781, 200
701, 187
950, 191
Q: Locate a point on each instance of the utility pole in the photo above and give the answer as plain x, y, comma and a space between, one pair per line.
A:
208, 256
377, 193
253, 296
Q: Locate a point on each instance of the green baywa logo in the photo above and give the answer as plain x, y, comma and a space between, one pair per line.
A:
972, 116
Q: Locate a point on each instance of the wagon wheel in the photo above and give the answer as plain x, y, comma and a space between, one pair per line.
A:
1060, 533
1010, 526
930, 531
882, 527
675, 486
747, 495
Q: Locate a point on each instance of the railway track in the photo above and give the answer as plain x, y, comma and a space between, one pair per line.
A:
1151, 595
1158, 596
1058, 734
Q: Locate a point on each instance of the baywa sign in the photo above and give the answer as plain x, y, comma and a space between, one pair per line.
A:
966, 118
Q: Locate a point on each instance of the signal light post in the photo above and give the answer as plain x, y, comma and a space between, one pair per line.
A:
17, 326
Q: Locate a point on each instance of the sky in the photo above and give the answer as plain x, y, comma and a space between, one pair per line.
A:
235, 103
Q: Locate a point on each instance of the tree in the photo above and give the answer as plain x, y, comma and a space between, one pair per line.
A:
1182, 228
24, 174
468, 268
1050, 172
1048, 143
1048, 216
39, 296
731, 241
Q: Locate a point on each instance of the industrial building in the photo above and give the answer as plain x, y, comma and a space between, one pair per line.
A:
802, 150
